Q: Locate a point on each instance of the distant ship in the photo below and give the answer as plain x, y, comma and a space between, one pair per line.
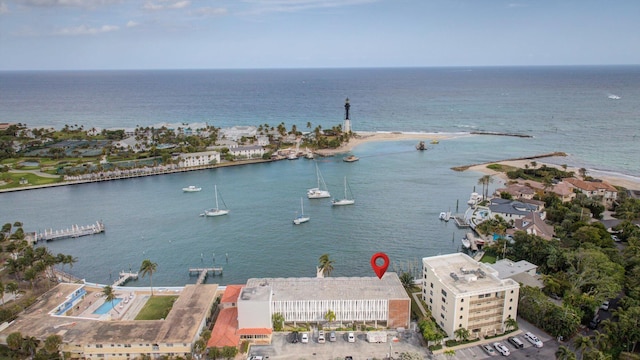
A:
614, 97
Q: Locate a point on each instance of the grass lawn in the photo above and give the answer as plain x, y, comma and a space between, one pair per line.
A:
488, 258
156, 308
13, 180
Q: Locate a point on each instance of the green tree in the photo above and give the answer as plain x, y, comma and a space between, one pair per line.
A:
325, 264
148, 267
229, 352
277, 319
407, 280
2, 291
564, 353
510, 324
462, 334
30, 345
330, 316
110, 295
52, 344
14, 341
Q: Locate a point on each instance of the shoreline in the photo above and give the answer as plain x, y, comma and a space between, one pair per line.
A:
628, 182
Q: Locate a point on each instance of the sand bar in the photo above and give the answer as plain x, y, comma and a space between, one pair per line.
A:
362, 137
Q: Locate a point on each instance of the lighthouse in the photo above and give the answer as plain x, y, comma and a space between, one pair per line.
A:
346, 128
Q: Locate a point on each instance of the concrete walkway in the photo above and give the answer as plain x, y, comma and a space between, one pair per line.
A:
36, 172
416, 296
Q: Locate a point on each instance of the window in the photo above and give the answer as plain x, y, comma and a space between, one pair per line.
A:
444, 293
444, 300
431, 292
512, 291
432, 285
99, 346
480, 296
442, 308
510, 300
460, 318
461, 300
509, 309
430, 300
461, 309
460, 325
442, 315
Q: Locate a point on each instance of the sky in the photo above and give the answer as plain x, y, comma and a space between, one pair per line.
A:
230, 34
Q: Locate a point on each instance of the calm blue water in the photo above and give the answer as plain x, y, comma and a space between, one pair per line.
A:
399, 191
107, 306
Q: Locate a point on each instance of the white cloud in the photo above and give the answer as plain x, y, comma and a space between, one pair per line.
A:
516, 5
132, 23
86, 30
68, 3
172, 5
209, 11
264, 6
4, 9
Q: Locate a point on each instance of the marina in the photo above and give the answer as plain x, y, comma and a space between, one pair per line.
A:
73, 232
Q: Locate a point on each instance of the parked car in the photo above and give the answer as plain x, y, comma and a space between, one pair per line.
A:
516, 342
593, 324
605, 305
533, 339
351, 337
305, 338
488, 349
501, 349
332, 336
321, 336
295, 337
615, 238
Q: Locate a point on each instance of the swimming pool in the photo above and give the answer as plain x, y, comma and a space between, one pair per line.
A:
107, 306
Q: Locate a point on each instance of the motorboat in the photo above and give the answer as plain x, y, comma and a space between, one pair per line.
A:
191, 188
350, 158
475, 199
421, 146
445, 215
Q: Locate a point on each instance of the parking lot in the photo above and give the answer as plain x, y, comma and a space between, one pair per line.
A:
283, 347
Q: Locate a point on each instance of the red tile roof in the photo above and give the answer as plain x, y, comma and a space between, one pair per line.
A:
231, 294
225, 331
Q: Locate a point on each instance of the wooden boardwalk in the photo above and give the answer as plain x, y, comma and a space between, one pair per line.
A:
124, 277
204, 272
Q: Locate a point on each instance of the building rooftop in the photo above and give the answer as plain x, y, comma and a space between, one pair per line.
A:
336, 288
507, 268
461, 274
191, 307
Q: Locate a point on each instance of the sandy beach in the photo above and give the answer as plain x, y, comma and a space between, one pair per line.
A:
362, 137
629, 183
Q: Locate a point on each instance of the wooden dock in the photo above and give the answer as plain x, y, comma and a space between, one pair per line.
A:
73, 232
124, 277
460, 222
204, 272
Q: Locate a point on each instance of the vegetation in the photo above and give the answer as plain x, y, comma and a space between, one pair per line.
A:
156, 308
325, 264
148, 267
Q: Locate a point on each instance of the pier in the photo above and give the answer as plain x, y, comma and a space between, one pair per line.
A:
74, 232
124, 277
204, 272
460, 222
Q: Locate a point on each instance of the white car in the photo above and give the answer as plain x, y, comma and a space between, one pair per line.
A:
533, 339
488, 349
501, 349
351, 337
305, 338
605, 305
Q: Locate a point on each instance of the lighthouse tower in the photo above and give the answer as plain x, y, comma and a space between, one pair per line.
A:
346, 128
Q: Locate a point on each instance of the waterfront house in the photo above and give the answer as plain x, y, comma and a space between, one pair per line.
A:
512, 209
533, 224
236, 133
595, 189
248, 152
198, 158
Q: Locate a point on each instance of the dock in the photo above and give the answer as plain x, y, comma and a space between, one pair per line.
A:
124, 277
460, 221
73, 232
204, 272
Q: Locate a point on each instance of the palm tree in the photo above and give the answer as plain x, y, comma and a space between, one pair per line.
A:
148, 267
12, 287
563, 353
462, 334
52, 344
582, 343
30, 344
407, 280
485, 181
582, 172
110, 295
2, 292
326, 264
510, 323
330, 316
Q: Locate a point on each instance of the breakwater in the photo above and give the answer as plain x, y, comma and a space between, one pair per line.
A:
534, 157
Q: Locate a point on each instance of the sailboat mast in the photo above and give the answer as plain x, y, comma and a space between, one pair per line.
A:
215, 189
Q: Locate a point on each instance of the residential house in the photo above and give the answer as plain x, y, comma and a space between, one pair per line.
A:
596, 189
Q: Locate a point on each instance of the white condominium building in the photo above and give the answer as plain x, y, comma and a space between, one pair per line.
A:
464, 293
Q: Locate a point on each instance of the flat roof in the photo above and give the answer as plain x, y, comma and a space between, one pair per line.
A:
192, 306
461, 274
507, 268
333, 288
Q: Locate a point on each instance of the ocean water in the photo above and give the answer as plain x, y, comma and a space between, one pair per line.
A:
399, 191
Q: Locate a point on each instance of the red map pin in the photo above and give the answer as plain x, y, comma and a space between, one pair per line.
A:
380, 269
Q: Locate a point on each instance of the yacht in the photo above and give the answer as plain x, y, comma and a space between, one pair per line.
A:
191, 188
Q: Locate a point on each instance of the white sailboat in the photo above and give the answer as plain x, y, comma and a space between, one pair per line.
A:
301, 218
346, 200
321, 191
216, 211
